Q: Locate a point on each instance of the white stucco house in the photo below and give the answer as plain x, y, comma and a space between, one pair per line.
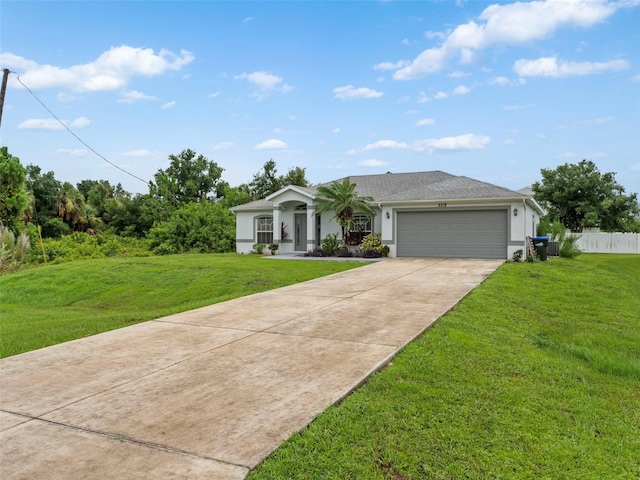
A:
421, 214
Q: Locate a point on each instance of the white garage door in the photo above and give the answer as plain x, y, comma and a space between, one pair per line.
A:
453, 234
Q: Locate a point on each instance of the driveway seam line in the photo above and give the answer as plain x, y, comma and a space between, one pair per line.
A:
126, 438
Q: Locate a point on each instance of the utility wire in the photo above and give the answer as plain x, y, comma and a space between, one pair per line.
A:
77, 137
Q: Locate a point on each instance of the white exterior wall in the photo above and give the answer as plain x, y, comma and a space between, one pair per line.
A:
245, 235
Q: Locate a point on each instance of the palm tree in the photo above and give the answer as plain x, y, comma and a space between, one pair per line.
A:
343, 200
71, 205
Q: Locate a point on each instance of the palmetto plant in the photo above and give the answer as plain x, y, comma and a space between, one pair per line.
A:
343, 200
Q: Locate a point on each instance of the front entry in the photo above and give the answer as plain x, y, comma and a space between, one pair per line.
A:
300, 232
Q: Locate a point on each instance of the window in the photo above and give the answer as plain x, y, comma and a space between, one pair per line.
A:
264, 230
360, 228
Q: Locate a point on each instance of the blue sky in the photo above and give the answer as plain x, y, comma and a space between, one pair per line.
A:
492, 91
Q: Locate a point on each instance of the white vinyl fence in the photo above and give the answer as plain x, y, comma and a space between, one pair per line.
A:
590, 242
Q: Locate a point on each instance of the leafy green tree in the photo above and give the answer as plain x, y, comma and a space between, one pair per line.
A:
195, 227
43, 207
295, 176
232, 196
189, 178
580, 196
343, 200
14, 196
134, 216
96, 192
266, 181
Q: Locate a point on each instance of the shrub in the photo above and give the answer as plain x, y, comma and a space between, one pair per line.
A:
330, 245
12, 251
371, 254
316, 252
273, 247
78, 246
203, 227
568, 247
258, 248
517, 255
373, 242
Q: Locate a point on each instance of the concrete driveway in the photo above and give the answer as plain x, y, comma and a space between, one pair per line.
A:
211, 392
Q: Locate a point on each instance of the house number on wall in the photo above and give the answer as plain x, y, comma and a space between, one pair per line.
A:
442, 205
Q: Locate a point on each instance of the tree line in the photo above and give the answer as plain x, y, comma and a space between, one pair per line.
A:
187, 206
189, 195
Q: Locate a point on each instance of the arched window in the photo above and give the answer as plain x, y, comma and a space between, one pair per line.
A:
264, 229
360, 228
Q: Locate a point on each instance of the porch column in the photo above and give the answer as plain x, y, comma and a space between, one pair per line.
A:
276, 223
311, 226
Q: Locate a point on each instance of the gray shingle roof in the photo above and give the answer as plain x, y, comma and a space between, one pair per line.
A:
411, 187
453, 189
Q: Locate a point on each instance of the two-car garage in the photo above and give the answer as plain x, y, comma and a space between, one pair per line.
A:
452, 233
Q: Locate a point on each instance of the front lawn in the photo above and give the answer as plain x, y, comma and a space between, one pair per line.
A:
535, 375
54, 304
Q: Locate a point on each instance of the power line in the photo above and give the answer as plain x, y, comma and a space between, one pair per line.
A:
76, 136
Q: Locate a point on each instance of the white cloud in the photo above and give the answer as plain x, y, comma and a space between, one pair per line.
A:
425, 122
380, 145
440, 95
594, 121
391, 65
133, 96
636, 78
78, 152
458, 74
81, 122
223, 145
636, 167
430, 35
350, 92
461, 90
110, 71
423, 98
469, 141
265, 83
500, 81
52, 123
247, 20
551, 67
372, 162
566, 155
509, 141
272, 144
213, 95
141, 153
510, 24
169, 105
335, 130
41, 124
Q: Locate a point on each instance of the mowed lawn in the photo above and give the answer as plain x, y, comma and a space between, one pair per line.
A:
54, 304
535, 375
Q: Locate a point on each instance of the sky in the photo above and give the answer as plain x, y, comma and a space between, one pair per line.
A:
491, 91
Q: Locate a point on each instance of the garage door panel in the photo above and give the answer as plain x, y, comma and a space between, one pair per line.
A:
457, 234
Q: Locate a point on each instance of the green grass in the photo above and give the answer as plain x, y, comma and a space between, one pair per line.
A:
535, 375
49, 305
